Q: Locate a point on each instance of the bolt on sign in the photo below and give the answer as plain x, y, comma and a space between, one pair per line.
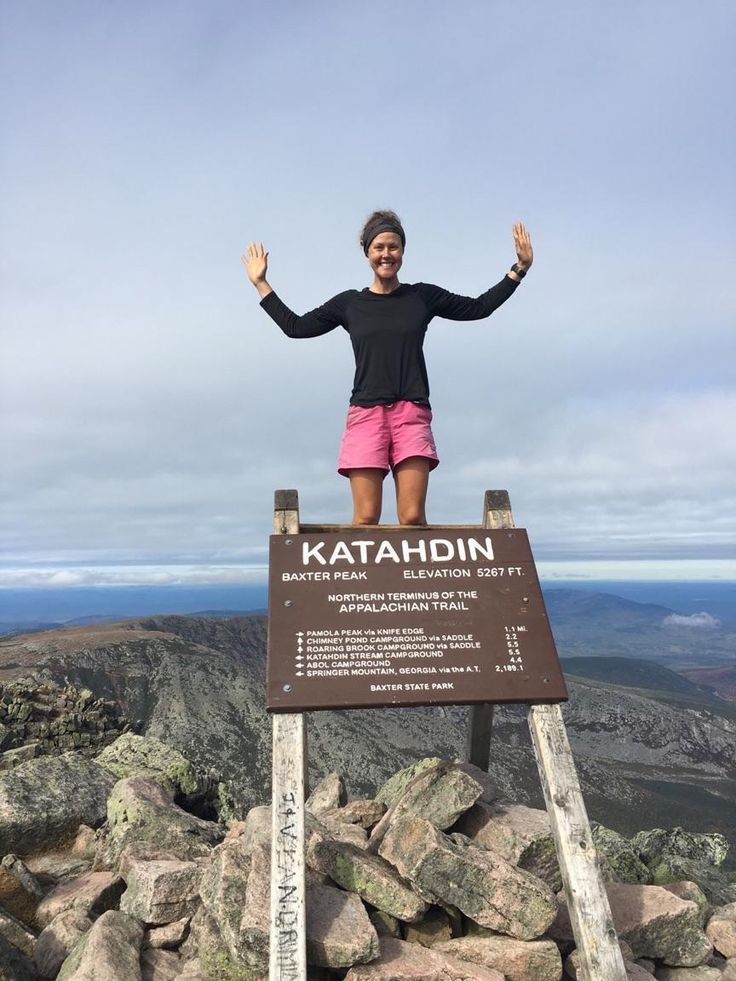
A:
407, 617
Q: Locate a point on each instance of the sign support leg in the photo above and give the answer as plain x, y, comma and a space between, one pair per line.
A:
288, 950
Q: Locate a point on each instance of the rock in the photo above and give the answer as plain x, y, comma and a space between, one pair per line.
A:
169, 935
692, 892
717, 885
483, 885
439, 794
688, 974
19, 890
339, 933
705, 849
257, 826
327, 795
160, 965
395, 786
370, 876
109, 951
145, 756
14, 965
74, 791
364, 813
432, 929
490, 793
16, 933
351, 834
518, 960
654, 922
85, 842
58, 939
384, 924
721, 930
634, 971
522, 835
400, 961
621, 856
92, 893
140, 809
50, 868
729, 971
161, 892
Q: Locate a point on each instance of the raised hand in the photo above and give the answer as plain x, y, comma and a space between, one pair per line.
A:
255, 260
523, 245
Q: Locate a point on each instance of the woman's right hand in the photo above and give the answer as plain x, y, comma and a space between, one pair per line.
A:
255, 260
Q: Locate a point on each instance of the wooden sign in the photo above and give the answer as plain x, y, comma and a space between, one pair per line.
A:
407, 617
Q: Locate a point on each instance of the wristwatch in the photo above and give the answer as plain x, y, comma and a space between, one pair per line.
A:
516, 268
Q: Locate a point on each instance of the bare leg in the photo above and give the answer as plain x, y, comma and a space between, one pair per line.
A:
366, 485
411, 477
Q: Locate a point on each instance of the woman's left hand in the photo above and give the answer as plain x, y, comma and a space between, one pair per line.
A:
523, 246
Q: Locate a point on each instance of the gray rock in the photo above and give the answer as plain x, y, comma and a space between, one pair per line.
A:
518, 960
721, 930
16, 933
384, 924
483, 885
327, 795
145, 756
109, 951
621, 856
140, 809
705, 849
370, 876
339, 933
161, 892
395, 786
364, 813
91, 893
439, 794
58, 939
433, 928
400, 961
74, 791
160, 965
718, 886
691, 891
14, 965
702, 973
168, 936
520, 834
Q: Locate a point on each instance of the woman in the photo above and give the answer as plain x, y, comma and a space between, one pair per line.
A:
389, 419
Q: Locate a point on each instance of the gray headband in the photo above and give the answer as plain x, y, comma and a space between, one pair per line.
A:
383, 226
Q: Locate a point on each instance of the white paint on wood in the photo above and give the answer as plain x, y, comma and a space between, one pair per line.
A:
590, 912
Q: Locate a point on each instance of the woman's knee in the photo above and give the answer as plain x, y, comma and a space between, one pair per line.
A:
412, 514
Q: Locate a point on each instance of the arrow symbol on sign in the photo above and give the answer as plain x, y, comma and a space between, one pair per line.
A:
300, 674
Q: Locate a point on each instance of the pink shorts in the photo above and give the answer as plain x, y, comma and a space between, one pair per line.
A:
381, 436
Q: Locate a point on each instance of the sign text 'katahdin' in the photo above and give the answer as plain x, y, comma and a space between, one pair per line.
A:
429, 550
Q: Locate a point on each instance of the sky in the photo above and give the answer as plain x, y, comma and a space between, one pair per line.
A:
150, 408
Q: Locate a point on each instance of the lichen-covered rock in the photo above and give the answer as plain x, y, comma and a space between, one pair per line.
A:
364, 813
705, 849
718, 886
161, 892
58, 939
140, 809
518, 960
520, 834
74, 791
483, 885
339, 933
439, 794
397, 784
433, 928
634, 971
91, 893
400, 961
367, 875
384, 924
327, 795
16, 933
654, 922
702, 973
692, 892
145, 756
110, 950
620, 855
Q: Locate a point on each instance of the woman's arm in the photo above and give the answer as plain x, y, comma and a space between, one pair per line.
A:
312, 324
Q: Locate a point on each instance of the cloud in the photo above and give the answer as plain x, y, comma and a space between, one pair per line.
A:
696, 621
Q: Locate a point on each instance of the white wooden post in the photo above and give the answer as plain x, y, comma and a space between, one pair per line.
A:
288, 951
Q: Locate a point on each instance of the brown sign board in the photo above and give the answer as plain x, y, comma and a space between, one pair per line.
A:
399, 617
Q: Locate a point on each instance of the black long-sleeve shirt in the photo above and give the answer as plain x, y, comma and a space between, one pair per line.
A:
387, 332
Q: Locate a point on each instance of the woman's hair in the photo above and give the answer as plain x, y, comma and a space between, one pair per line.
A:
381, 221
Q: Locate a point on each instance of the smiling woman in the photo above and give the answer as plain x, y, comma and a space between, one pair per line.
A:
389, 419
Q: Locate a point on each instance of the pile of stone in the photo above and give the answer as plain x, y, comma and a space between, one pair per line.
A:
43, 718
433, 879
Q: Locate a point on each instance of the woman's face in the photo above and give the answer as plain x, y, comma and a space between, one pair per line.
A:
385, 255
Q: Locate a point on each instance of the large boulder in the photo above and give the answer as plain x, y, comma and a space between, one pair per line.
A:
328, 794
518, 960
395, 786
620, 859
400, 961
721, 930
73, 791
370, 876
58, 939
718, 886
91, 893
141, 810
339, 933
484, 886
145, 756
653, 921
705, 849
110, 950
161, 892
